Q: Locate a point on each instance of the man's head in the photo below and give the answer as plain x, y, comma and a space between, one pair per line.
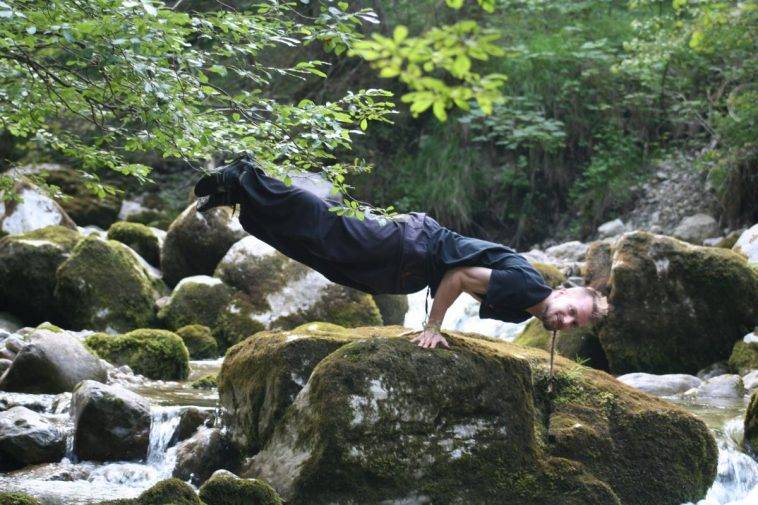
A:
568, 308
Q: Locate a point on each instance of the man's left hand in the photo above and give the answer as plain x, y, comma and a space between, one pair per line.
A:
429, 339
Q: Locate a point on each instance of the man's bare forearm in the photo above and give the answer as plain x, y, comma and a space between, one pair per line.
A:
448, 291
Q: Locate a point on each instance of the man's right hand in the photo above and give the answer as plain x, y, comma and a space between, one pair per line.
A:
429, 339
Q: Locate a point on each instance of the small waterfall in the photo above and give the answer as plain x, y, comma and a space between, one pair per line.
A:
165, 420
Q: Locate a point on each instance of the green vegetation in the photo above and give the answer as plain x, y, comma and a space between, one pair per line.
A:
228, 489
17, 499
199, 341
139, 237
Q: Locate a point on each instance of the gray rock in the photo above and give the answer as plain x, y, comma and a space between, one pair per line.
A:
189, 421
714, 370
111, 423
695, 229
569, 251
27, 438
661, 385
747, 244
750, 380
14, 343
202, 454
51, 363
34, 210
611, 228
725, 386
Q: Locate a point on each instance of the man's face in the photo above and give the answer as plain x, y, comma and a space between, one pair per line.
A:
567, 308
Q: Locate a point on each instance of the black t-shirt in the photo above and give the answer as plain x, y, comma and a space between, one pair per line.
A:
514, 284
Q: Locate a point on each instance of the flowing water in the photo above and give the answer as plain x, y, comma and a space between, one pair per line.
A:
73, 482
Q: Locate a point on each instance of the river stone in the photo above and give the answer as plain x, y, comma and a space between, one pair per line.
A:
747, 244
225, 488
196, 242
568, 251
668, 313
381, 420
84, 206
144, 240
166, 492
392, 308
27, 438
103, 287
750, 380
579, 344
111, 423
51, 363
721, 387
714, 370
660, 385
695, 229
203, 453
27, 271
199, 341
33, 211
195, 300
236, 321
751, 423
611, 228
190, 420
744, 357
597, 268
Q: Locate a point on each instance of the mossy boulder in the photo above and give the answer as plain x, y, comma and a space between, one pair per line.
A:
143, 239
27, 271
744, 357
79, 202
102, 286
236, 321
195, 300
257, 269
392, 308
195, 242
335, 304
579, 344
597, 268
381, 420
751, 424
199, 341
18, 499
165, 492
156, 354
669, 305
208, 381
225, 488
33, 210
552, 275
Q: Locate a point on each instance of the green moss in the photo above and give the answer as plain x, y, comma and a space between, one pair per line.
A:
199, 341
139, 237
392, 308
227, 489
84, 206
580, 344
195, 300
597, 268
17, 499
235, 321
50, 327
744, 357
169, 491
208, 381
338, 305
751, 424
553, 277
103, 287
151, 217
319, 327
156, 354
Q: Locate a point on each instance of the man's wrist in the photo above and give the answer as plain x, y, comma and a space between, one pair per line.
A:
432, 325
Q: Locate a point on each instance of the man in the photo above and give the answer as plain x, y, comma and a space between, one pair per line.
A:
401, 255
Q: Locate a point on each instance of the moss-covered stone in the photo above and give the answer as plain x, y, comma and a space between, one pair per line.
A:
199, 341
84, 206
208, 381
392, 308
236, 321
751, 424
579, 344
152, 217
337, 304
102, 286
140, 238
225, 488
195, 300
34, 209
668, 305
156, 354
597, 268
27, 271
18, 499
169, 491
49, 327
553, 277
381, 419
744, 357
195, 242
257, 269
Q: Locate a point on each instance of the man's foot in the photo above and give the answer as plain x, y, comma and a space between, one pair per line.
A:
224, 179
224, 199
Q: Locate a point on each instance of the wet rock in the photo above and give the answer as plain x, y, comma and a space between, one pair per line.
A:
463, 426
225, 488
744, 357
568, 251
750, 380
751, 423
747, 244
35, 210
189, 421
199, 341
611, 229
392, 308
668, 313
144, 240
27, 438
721, 387
661, 385
714, 370
27, 271
111, 423
195, 300
103, 287
156, 354
51, 363
195, 242
202, 454
695, 229
580, 344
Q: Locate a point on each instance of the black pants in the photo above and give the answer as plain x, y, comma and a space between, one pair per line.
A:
368, 255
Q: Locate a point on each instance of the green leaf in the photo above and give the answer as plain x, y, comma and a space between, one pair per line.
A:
454, 4
439, 110
400, 33
364, 124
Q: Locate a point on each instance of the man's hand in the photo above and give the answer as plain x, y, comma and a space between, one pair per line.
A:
429, 339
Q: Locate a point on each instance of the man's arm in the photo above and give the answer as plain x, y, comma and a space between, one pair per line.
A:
473, 280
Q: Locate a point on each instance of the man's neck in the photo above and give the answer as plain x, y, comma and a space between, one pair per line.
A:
538, 309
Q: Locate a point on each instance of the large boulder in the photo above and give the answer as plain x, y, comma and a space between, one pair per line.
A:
82, 204
237, 320
196, 242
28, 438
568, 251
156, 354
747, 244
551, 274
202, 454
744, 357
225, 488
661, 385
111, 423
392, 308
669, 311
33, 210
27, 271
102, 286
199, 341
52, 363
381, 420
695, 229
195, 300
165, 492
580, 344
144, 240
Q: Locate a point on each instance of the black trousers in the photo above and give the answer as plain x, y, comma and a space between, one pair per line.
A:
367, 254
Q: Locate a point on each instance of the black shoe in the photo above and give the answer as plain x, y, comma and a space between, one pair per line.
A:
224, 179
221, 199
